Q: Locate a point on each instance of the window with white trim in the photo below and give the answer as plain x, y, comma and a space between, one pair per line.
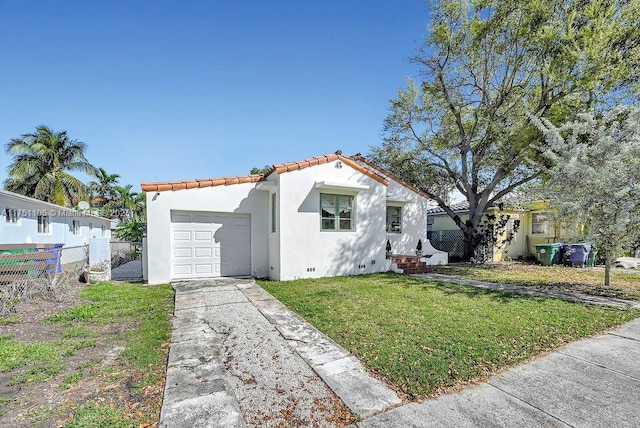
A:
430, 222
273, 212
11, 215
394, 219
337, 212
75, 227
43, 224
540, 223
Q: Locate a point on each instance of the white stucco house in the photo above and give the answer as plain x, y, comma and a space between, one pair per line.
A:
31, 221
328, 215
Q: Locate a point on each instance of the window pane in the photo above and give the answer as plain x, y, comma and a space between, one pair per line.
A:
328, 224
394, 222
327, 206
273, 212
345, 224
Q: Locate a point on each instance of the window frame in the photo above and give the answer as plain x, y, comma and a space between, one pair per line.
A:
103, 229
400, 226
75, 227
44, 224
336, 218
545, 223
9, 218
273, 212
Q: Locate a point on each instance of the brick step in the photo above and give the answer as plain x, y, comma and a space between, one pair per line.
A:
404, 259
411, 265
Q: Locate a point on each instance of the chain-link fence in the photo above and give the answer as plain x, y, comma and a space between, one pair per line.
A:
125, 251
28, 272
450, 241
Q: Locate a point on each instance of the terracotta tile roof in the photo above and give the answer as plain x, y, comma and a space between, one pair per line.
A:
160, 186
359, 158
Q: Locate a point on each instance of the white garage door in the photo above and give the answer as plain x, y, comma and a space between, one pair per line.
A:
210, 244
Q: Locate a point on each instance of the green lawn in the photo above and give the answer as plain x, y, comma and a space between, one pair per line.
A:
624, 284
424, 336
128, 315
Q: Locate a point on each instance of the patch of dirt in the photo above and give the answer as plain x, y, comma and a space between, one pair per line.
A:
90, 374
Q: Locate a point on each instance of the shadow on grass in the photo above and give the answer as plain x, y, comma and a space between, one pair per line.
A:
449, 288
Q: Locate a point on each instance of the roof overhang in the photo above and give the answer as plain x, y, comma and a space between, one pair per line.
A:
396, 202
266, 185
340, 187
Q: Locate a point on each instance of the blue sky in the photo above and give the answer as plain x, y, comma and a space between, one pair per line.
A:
170, 90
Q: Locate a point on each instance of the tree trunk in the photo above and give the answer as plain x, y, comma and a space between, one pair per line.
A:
607, 270
469, 249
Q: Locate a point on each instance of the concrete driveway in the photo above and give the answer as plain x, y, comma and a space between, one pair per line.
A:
240, 358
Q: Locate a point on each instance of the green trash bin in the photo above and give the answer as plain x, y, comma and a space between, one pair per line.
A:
591, 259
15, 262
549, 254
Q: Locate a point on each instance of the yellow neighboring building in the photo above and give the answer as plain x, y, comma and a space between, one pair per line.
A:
536, 226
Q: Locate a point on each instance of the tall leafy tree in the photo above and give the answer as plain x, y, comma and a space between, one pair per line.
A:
596, 177
42, 164
489, 67
104, 186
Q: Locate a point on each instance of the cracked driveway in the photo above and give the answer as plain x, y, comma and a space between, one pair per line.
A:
229, 366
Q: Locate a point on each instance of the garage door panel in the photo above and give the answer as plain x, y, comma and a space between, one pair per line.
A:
182, 269
181, 253
181, 235
203, 252
203, 235
210, 244
203, 269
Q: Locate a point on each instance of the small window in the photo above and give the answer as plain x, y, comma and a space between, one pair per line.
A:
273, 212
539, 223
11, 215
394, 220
90, 227
75, 227
430, 221
336, 212
104, 230
43, 224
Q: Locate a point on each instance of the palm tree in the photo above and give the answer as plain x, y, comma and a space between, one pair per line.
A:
41, 165
103, 189
126, 205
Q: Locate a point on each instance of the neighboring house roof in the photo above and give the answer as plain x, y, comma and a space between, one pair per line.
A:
457, 207
462, 207
160, 186
48, 204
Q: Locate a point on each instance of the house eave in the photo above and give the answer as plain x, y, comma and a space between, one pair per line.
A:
340, 187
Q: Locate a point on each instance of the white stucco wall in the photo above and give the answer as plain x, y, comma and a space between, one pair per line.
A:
237, 198
274, 237
308, 252
25, 231
298, 248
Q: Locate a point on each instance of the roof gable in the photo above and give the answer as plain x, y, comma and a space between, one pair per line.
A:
160, 186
